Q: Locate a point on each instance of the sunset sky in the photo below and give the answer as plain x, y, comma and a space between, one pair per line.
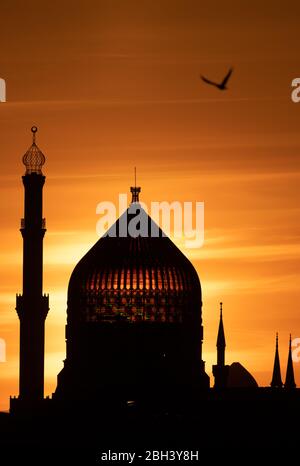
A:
116, 84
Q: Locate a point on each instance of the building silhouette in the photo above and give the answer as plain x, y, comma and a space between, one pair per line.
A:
32, 306
233, 375
134, 315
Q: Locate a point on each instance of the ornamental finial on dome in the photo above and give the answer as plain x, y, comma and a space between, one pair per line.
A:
135, 190
34, 159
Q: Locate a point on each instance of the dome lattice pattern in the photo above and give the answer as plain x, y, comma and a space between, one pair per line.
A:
34, 159
142, 279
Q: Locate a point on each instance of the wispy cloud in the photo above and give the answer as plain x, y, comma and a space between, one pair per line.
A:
136, 102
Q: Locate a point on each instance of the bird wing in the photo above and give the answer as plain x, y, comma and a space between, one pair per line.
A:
227, 77
208, 81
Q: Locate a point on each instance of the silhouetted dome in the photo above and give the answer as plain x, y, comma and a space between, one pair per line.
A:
239, 377
134, 279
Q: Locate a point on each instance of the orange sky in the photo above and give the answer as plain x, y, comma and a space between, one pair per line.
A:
114, 84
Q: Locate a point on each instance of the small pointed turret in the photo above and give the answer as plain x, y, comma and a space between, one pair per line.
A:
276, 378
221, 343
290, 379
220, 371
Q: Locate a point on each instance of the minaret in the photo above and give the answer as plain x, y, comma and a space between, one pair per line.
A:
32, 306
290, 379
220, 371
276, 378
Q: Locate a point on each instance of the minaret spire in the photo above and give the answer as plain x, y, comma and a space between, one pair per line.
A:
276, 378
290, 379
32, 306
221, 342
135, 190
220, 370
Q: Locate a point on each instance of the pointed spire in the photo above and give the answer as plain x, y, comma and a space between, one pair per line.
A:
276, 378
221, 334
221, 343
34, 159
34, 131
135, 190
290, 379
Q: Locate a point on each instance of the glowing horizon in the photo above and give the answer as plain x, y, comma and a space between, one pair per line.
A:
113, 87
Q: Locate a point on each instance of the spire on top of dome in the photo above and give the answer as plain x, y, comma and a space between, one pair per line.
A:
34, 159
135, 190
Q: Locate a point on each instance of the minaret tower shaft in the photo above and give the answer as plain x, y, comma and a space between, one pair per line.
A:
32, 306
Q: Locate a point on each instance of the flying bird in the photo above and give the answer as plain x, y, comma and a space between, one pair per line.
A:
222, 85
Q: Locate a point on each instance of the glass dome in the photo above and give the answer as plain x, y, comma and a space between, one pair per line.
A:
134, 279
